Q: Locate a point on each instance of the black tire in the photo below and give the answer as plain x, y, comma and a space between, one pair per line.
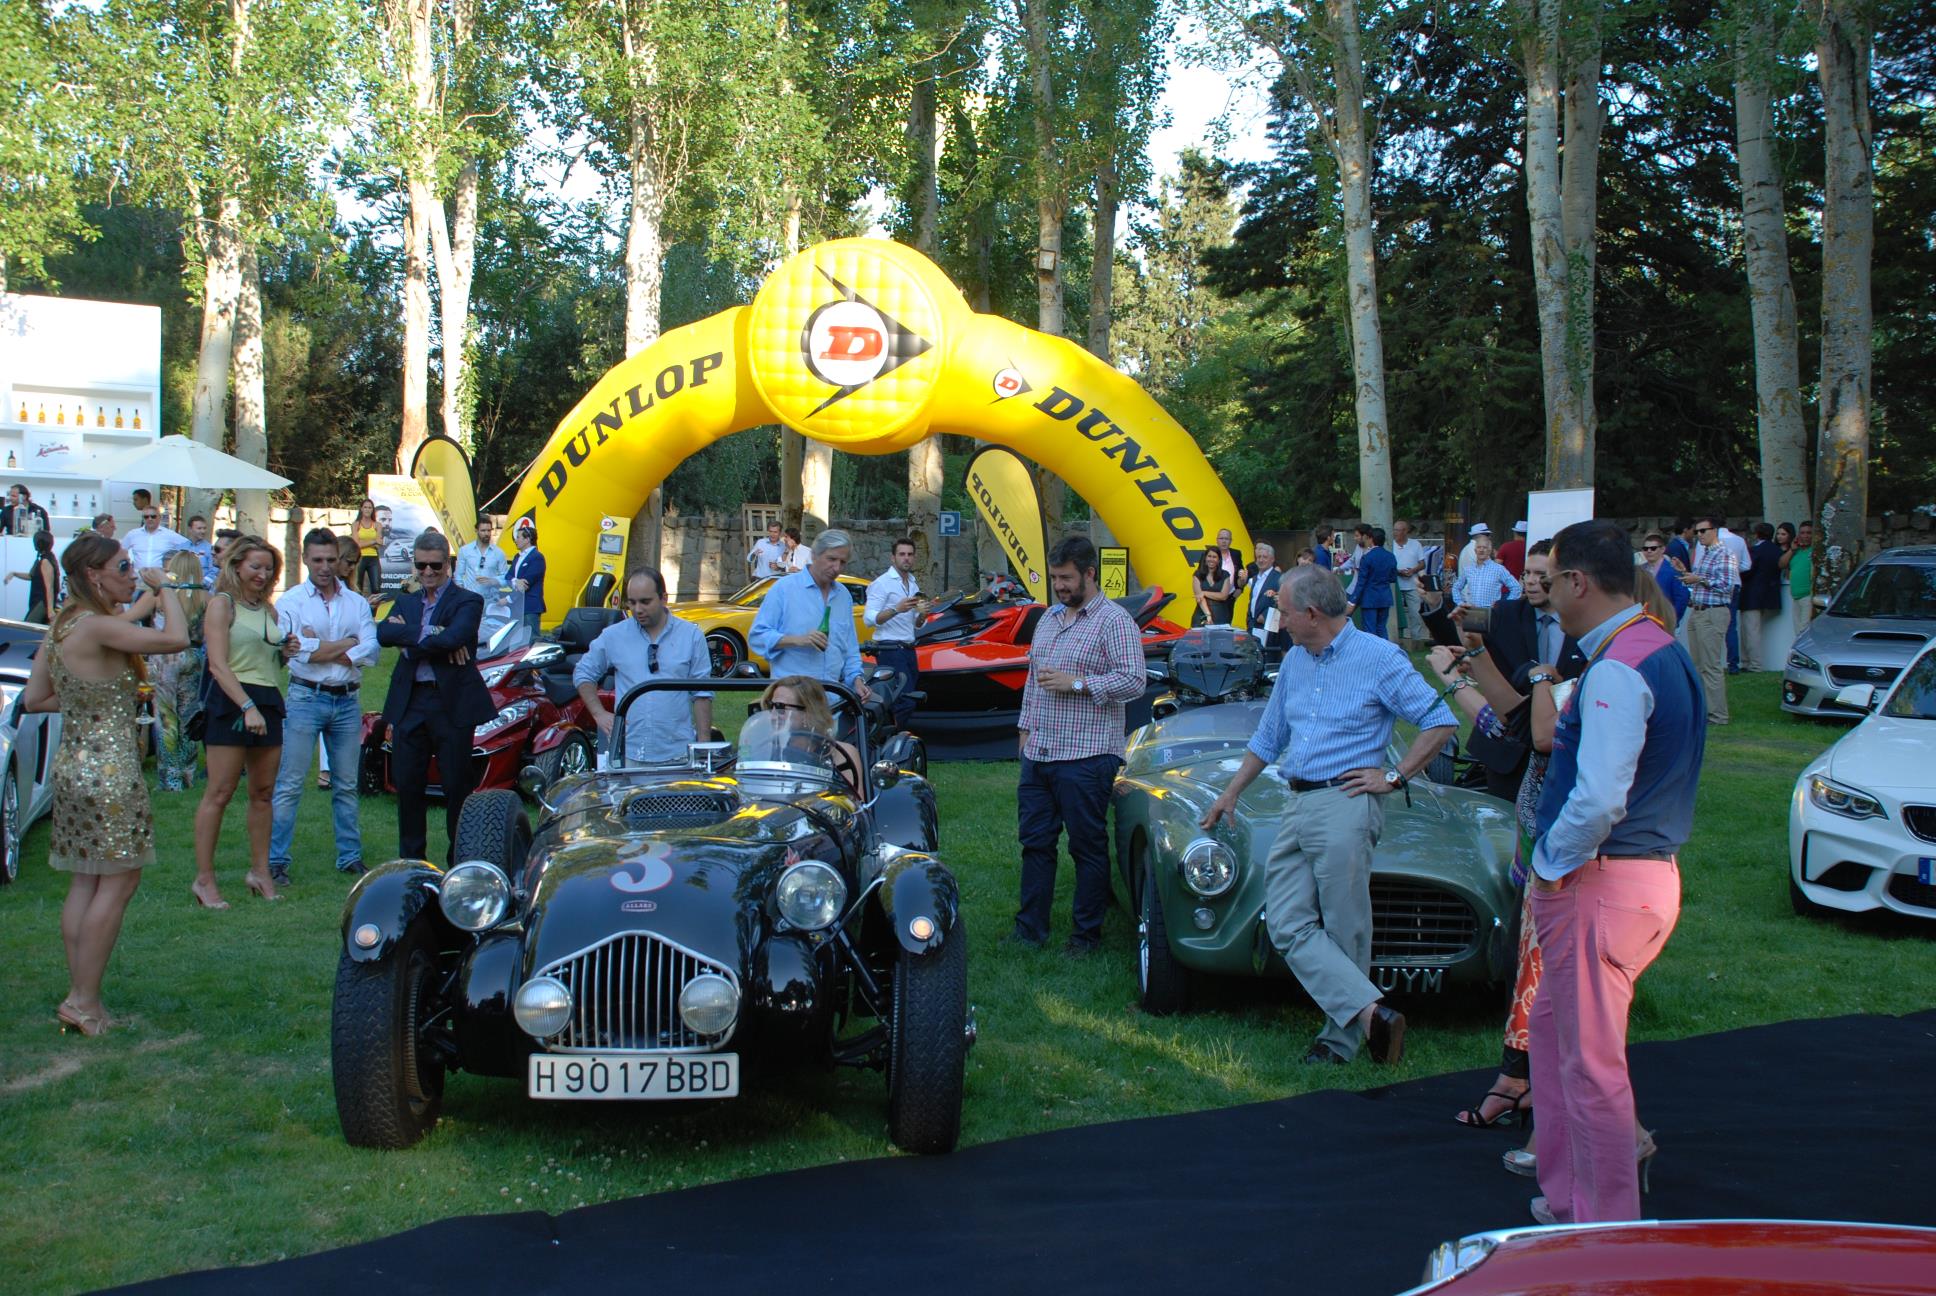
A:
492, 827
1162, 983
389, 1084
927, 1054
727, 651
10, 833
574, 755
1443, 768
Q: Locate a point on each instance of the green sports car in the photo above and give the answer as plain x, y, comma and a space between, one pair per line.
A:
1444, 909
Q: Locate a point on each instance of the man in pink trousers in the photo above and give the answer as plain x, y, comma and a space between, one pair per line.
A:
1616, 808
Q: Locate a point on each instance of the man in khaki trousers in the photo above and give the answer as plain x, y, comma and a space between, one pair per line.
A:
1711, 583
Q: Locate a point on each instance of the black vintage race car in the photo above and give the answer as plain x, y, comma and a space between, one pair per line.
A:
662, 923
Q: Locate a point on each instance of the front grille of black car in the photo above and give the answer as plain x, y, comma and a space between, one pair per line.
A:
1843, 676
625, 995
1911, 892
1921, 820
1411, 921
679, 809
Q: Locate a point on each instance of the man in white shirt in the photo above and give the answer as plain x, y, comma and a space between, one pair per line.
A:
337, 639
1411, 561
768, 555
1743, 560
893, 606
1261, 615
481, 565
797, 554
150, 543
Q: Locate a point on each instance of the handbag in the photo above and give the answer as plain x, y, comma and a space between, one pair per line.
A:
195, 728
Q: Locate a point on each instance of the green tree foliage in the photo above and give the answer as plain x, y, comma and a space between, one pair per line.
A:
43, 140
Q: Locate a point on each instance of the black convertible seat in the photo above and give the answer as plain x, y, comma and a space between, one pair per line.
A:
583, 624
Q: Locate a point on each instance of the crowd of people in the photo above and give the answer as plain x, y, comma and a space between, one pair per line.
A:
1586, 711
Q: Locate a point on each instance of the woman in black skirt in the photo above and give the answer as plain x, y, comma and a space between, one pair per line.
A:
244, 710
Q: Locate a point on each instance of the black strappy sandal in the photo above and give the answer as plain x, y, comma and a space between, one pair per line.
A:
1522, 1104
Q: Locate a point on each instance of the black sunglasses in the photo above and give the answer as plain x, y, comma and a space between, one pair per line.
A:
652, 657
125, 566
431, 566
783, 706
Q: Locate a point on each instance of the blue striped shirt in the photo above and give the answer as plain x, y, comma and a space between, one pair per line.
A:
1484, 585
1333, 712
794, 606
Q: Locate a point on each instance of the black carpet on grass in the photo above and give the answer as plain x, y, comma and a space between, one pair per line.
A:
1334, 1192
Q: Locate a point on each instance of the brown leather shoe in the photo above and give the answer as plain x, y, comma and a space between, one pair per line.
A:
1385, 1035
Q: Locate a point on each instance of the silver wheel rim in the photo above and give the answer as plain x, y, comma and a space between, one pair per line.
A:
10, 808
1142, 937
575, 761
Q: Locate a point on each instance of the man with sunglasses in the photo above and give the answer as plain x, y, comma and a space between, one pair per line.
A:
1653, 556
1712, 582
650, 643
150, 543
1522, 633
437, 698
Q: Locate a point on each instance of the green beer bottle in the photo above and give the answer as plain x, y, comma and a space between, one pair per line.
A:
826, 619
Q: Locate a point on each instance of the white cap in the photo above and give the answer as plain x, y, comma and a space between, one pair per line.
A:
1520, 527
1480, 528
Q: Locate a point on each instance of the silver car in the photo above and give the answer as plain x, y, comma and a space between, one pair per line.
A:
1879, 620
27, 744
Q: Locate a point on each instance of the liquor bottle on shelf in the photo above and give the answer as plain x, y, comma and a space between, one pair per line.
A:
100, 416
40, 413
75, 504
80, 414
23, 411
11, 461
93, 505
60, 415
137, 420
117, 416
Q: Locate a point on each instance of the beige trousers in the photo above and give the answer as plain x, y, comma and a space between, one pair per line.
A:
1707, 643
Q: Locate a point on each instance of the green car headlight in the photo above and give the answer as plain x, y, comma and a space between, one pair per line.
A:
1209, 867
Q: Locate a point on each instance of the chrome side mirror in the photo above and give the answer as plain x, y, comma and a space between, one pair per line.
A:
886, 775
532, 785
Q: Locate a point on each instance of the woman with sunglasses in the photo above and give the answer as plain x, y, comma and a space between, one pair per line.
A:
798, 702
243, 715
103, 831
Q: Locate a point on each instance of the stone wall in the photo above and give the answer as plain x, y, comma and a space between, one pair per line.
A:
703, 556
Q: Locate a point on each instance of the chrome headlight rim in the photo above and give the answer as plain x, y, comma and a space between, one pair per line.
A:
509, 714
454, 892
1841, 799
1799, 660
1208, 867
788, 895
709, 1004
542, 1007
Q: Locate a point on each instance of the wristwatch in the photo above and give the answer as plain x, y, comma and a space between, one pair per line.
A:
1542, 678
1461, 683
1077, 686
1394, 779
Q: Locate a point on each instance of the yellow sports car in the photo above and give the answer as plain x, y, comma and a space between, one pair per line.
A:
729, 624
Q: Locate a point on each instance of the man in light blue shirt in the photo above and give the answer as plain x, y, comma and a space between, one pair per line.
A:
805, 625
650, 644
481, 565
1486, 580
1327, 724
202, 549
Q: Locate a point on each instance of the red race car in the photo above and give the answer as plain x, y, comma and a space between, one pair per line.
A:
973, 652
540, 718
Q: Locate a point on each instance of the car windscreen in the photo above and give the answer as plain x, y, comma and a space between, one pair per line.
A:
1889, 591
786, 741
1915, 695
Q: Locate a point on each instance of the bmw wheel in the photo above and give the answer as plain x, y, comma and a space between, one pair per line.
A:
927, 1054
388, 1076
727, 650
10, 827
1164, 984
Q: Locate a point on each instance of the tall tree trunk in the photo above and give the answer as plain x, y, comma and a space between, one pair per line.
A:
418, 173
644, 252
1771, 291
1102, 290
925, 477
1843, 49
989, 554
455, 244
221, 287
1560, 207
1051, 205
251, 433
1353, 151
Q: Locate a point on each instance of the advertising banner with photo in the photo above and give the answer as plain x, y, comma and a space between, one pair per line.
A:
403, 511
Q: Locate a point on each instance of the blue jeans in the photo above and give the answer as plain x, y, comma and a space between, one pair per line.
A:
340, 721
1734, 632
1054, 795
1372, 620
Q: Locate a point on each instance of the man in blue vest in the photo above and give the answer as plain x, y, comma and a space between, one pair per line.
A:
1616, 808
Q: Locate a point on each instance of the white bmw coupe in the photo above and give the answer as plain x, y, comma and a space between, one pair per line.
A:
1862, 821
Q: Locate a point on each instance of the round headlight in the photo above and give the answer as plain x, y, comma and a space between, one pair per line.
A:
1209, 868
542, 1007
709, 1003
475, 895
811, 895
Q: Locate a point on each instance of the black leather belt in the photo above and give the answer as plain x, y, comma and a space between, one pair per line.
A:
1669, 859
334, 690
1313, 785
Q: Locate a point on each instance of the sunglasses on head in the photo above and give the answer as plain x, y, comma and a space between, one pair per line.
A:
430, 566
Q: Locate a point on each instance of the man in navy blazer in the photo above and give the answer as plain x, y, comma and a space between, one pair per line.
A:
1524, 632
437, 698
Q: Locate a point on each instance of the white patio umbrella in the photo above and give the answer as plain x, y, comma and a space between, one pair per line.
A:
180, 461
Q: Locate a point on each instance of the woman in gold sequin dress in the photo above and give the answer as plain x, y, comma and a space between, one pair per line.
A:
103, 833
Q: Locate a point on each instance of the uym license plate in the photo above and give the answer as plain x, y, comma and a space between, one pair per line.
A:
633, 1075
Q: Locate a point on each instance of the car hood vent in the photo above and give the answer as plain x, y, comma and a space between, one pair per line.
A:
680, 808
1888, 636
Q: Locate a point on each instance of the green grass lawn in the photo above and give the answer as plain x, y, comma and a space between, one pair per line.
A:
204, 1133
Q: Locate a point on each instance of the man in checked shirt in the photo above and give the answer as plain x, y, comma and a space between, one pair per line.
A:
1085, 662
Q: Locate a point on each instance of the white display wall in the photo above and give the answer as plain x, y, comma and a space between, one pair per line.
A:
80, 384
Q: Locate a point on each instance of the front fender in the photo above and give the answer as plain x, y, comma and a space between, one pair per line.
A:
550, 737
915, 886
907, 816
390, 898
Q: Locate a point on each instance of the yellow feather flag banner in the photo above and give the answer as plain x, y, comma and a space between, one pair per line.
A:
1003, 489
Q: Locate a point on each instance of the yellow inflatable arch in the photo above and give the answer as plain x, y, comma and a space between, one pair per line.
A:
865, 345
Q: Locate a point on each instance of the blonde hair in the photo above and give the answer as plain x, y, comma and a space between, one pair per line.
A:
184, 567
229, 582
1648, 594
813, 700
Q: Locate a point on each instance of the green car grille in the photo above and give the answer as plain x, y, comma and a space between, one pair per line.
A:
1412, 921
